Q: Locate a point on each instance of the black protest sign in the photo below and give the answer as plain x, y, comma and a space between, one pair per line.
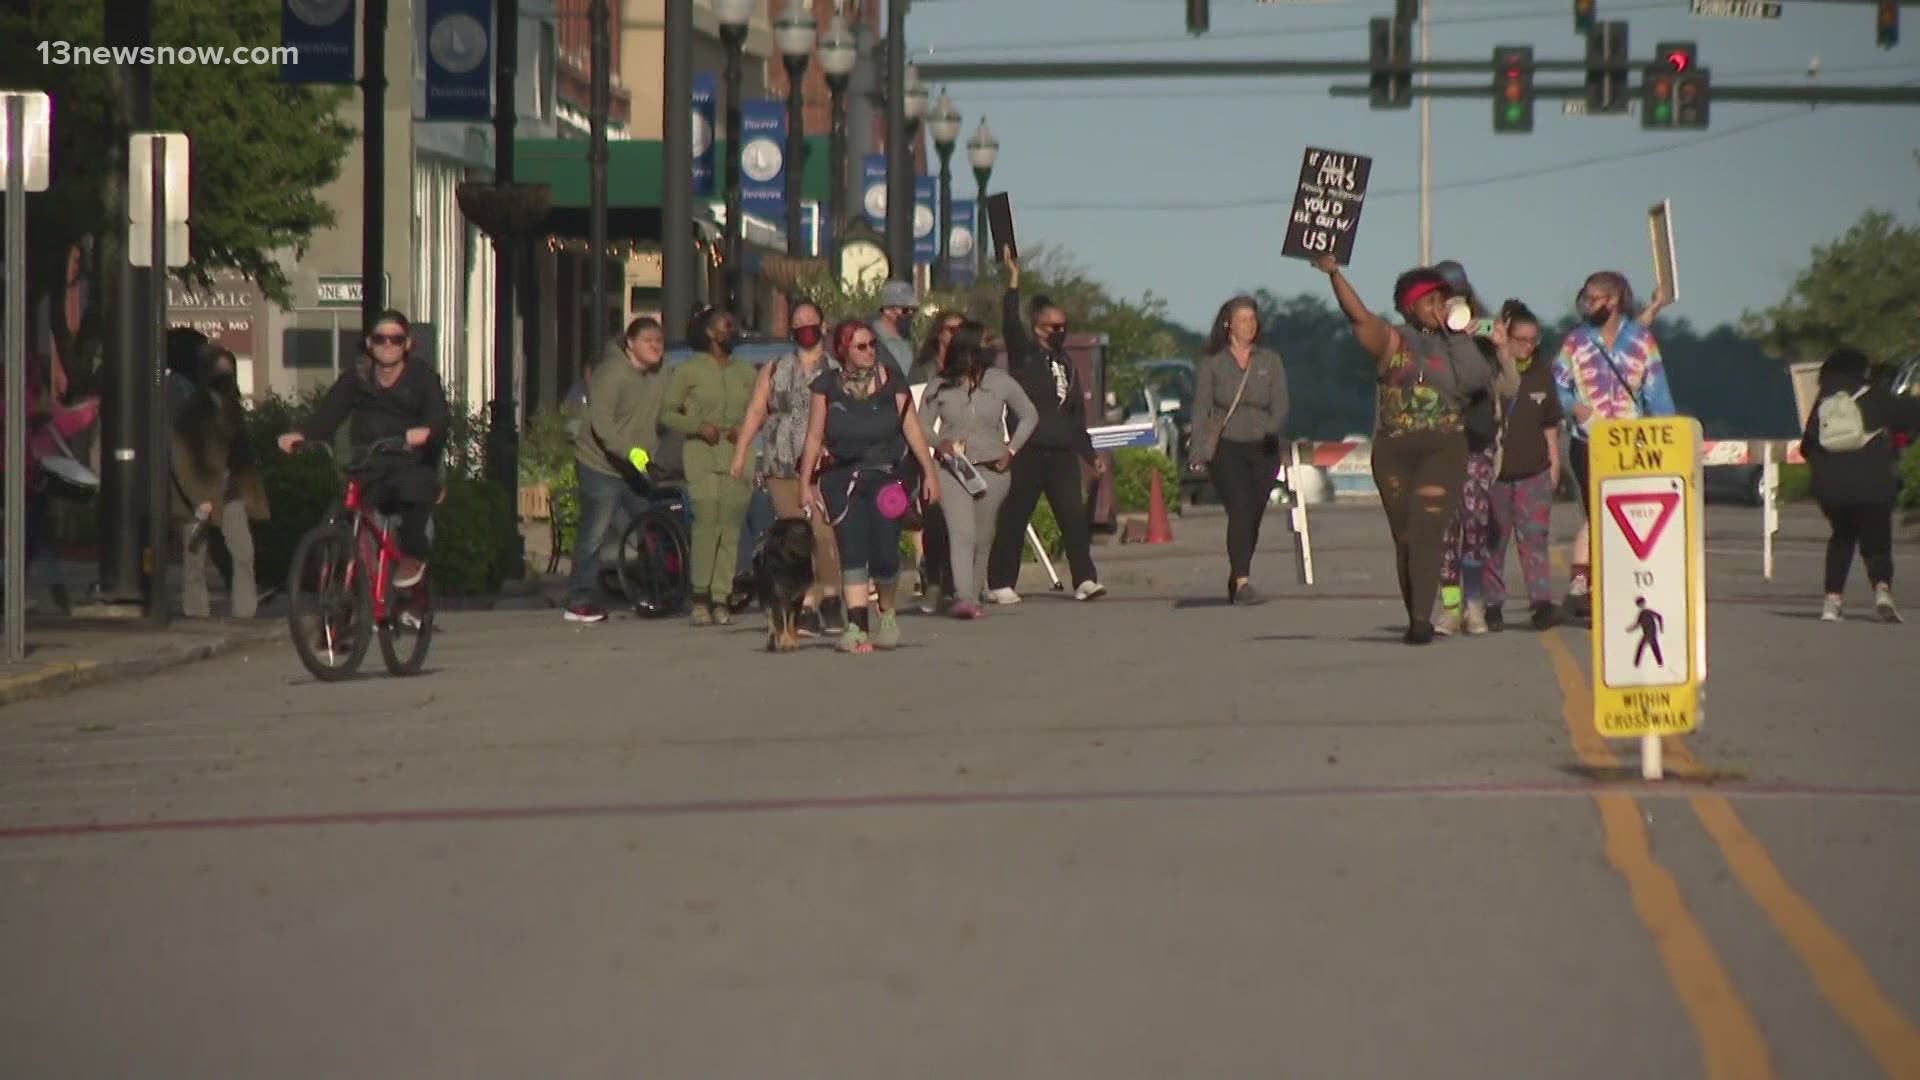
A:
1326, 206
1000, 225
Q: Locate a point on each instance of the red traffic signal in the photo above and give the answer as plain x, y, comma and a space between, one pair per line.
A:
1678, 60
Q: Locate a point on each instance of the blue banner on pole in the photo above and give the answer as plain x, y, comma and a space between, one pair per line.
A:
961, 246
926, 220
323, 33
705, 88
873, 189
459, 55
763, 158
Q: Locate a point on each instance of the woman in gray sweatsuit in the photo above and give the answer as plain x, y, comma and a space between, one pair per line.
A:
964, 412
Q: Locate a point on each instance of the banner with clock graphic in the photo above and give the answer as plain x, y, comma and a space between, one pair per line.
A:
459, 48
705, 89
873, 189
961, 244
323, 32
763, 158
926, 221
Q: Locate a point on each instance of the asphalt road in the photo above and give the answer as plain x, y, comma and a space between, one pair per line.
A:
1152, 836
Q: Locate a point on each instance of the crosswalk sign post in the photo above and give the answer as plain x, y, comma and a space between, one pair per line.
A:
1650, 584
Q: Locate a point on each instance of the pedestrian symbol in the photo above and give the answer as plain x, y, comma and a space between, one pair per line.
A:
1648, 624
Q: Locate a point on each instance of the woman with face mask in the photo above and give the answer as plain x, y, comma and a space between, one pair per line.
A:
707, 401
215, 484
1426, 375
781, 394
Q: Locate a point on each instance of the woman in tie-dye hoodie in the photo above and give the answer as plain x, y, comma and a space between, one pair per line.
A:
1609, 368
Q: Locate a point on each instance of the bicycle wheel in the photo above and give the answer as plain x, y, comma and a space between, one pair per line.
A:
407, 630
329, 603
653, 565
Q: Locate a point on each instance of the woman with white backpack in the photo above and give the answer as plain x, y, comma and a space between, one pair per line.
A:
1849, 450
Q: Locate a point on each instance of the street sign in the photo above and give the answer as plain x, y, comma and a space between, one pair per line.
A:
1649, 574
1576, 107
344, 291
1326, 205
1666, 262
1737, 9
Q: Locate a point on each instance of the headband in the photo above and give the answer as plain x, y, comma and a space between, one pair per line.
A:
1418, 290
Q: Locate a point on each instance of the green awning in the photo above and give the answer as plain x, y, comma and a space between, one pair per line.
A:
633, 171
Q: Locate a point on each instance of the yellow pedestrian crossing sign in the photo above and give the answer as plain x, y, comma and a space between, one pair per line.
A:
1649, 576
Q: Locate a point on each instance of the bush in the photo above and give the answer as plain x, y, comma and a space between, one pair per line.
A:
473, 532
1133, 470
300, 488
1910, 478
1796, 483
546, 450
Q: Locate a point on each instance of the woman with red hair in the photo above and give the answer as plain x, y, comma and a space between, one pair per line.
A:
859, 420
1426, 375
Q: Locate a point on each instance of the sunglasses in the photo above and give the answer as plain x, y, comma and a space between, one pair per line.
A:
862, 346
387, 339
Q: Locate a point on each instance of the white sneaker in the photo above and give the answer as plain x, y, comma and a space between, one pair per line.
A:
1476, 623
1830, 609
1090, 590
1883, 605
1002, 596
1446, 622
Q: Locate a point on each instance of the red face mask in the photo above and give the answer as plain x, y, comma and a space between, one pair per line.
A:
806, 336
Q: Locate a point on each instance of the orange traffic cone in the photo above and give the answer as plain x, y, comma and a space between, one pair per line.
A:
1158, 531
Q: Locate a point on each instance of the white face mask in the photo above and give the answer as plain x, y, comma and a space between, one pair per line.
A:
1459, 315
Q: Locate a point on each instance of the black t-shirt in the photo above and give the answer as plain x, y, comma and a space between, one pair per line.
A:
864, 434
1531, 413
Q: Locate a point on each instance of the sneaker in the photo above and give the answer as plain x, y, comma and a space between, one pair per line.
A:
1419, 633
1496, 619
833, 615
1545, 616
1830, 609
1002, 596
1476, 619
1578, 605
408, 572
930, 600
1247, 596
965, 610
809, 624
1446, 622
886, 633
585, 613
1090, 590
853, 640
1883, 604
702, 614
722, 615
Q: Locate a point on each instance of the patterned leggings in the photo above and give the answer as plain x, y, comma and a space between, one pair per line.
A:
1522, 511
1465, 550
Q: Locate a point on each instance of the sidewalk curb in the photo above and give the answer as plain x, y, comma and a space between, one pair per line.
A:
59, 678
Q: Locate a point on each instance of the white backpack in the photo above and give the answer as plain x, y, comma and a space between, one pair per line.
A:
1842, 428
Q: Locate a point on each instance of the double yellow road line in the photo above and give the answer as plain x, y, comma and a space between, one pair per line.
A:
1731, 1043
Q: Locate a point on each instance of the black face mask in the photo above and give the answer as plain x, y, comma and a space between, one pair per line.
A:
223, 382
1599, 316
1057, 339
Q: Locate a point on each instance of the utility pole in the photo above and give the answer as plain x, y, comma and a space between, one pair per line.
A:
676, 187
899, 155
124, 395
599, 105
1426, 137
502, 418
373, 177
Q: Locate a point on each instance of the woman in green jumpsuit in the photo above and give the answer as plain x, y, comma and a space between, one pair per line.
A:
706, 401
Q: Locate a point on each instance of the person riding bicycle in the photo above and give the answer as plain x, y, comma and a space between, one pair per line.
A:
390, 395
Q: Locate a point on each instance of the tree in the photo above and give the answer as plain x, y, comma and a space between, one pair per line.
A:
261, 149
1861, 290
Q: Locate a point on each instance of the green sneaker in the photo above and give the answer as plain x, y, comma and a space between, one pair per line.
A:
853, 640
887, 634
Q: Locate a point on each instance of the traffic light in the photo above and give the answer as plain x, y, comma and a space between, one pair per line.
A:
1583, 16
1607, 68
1513, 89
1675, 88
1886, 24
1197, 17
1389, 42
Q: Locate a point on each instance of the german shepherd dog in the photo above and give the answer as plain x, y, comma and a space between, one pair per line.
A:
782, 574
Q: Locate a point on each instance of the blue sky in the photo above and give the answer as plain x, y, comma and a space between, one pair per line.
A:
1751, 195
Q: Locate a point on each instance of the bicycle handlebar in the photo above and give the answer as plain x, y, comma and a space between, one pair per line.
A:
361, 456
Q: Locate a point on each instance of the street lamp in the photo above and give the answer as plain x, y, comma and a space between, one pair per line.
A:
839, 52
982, 151
915, 101
793, 35
26, 123
944, 124
733, 16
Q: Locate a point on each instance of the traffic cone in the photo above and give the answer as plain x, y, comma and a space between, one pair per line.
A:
1158, 531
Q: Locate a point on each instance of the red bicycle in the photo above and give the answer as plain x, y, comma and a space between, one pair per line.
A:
340, 591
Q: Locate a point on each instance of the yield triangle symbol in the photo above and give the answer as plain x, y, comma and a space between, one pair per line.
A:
1642, 517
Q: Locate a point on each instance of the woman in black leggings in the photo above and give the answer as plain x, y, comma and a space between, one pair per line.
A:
1426, 375
1239, 404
